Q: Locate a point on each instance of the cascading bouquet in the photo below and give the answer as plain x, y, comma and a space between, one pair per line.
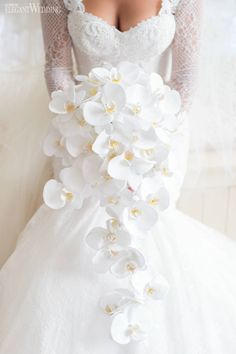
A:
112, 135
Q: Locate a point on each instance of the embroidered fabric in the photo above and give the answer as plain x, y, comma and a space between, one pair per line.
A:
95, 41
186, 49
57, 44
104, 43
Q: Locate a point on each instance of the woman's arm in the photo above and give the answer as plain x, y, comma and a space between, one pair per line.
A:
186, 49
57, 44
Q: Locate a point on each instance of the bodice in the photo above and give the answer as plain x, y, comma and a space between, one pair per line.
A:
95, 41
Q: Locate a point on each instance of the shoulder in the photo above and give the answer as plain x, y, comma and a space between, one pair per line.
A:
74, 5
184, 3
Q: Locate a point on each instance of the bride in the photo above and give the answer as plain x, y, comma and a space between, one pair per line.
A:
49, 292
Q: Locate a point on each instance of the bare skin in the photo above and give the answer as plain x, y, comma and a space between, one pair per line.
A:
123, 14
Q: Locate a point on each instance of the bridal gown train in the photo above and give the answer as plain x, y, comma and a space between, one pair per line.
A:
48, 288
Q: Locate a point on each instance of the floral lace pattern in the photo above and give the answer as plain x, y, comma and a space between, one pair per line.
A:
100, 40
57, 43
186, 49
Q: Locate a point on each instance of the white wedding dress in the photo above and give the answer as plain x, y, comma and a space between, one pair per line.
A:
48, 288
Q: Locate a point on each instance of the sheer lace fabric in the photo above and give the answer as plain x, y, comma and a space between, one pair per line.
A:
59, 41
186, 49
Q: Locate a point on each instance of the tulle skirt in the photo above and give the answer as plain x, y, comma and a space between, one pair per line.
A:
49, 290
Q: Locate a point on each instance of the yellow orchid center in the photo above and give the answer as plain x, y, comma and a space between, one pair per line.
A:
150, 291
89, 147
135, 212
93, 91
132, 330
116, 78
111, 156
114, 223
131, 267
153, 201
70, 107
110, 108
107, 177
109, 310
129, 156
155, 125
113, 144
82, 122
111, 237
60, 144
113, 253
148, 152
69, 196
137, 108
112, 200
165, 171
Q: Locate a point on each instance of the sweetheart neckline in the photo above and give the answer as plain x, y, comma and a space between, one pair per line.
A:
114, 28
101, 20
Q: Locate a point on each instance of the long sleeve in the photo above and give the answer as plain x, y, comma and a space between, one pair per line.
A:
57, 44
186, 49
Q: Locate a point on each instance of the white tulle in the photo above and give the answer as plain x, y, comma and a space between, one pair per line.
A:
53, 298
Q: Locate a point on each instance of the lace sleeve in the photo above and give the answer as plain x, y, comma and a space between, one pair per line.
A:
57, 44
186, 49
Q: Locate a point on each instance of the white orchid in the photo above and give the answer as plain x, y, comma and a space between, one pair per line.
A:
170, 103
77, 145
54, 144
157, 85
141, 109
155, 194
130, 136
127, 167
146, 286
57, 196
74, 181
113, 100
116, 301
109, 190
125, 73
61, 143
133, 325
156, 154
74, 126
106, 257
116, 203
169, 100
67, 101
130, 261
139, 218
91, 167
101, 238
105, 145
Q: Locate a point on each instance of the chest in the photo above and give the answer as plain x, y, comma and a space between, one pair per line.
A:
123, 13
97, 38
